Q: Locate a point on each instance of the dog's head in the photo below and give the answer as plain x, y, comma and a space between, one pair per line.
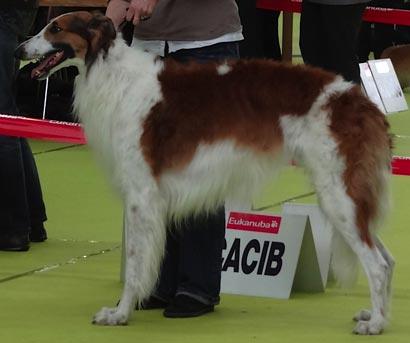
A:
73, 39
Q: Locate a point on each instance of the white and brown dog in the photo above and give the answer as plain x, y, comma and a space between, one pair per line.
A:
180, 139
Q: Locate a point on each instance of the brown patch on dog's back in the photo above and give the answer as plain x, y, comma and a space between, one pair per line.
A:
361, 131
243, 105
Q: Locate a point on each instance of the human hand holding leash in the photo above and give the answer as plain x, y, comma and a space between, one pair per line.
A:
140, 10
116, 11
130, 10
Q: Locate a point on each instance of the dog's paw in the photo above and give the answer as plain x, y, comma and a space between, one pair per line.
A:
364, 315
110, 316
370, 327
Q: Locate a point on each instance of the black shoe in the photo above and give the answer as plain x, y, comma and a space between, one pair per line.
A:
14, 242
38, 233
152, 303
184, 306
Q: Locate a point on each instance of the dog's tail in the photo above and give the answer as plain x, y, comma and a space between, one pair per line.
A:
367, 176
361, 130
344, 262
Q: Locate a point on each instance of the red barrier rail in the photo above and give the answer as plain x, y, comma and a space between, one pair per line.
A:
401, 165
49, 130
64, 132
372, 14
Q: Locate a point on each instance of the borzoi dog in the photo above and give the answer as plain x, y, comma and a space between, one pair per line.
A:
180, 139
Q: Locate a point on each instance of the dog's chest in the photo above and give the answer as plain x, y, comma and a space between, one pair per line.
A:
102, 121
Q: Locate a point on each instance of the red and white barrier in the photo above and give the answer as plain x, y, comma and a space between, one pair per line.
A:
50, 130
371, 14
64, 132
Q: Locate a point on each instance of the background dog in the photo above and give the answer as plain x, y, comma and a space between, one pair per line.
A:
179, 139
400, 58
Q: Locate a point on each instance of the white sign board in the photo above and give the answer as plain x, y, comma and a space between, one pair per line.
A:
322, 233
388, 85
369, 86
269, 255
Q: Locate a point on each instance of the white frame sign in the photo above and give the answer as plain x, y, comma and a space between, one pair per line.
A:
270, 255
383, 77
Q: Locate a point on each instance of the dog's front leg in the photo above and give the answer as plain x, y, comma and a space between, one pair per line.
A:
145, 242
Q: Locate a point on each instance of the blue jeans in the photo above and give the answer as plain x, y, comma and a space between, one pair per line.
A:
193, 254
21, 201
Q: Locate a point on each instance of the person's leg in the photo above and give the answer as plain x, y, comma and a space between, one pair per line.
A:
269, 33
365, 42
200, 238
260, 31
168, 281
202, 242
8, 43
403, 32
17, 170
199, 266
342, 25
311, 41
14, 218
251, 46
14, 213
34, 194
385, 34
384, 38
192, 261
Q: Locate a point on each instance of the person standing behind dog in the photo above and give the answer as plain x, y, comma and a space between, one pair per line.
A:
329, 32
22, 210
260, 31
200, 31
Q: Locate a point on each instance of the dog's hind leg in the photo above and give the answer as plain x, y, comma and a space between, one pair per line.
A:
343, 141
366, 314
342, 210
145, 241
391, 263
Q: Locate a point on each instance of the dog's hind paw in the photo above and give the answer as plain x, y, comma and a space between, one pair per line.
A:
110, 316
364, 315
370, 327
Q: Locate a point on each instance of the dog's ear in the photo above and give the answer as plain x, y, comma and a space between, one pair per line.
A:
103, 24
103, 33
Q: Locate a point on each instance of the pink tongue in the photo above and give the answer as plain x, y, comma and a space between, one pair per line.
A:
46, 65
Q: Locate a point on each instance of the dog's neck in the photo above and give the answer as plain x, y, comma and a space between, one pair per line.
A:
121, 80
115, 56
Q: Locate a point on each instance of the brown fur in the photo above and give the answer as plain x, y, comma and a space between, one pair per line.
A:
362, 133
200, 106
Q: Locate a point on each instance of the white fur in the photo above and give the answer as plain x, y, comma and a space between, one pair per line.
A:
113, 99
223, 69
216, 173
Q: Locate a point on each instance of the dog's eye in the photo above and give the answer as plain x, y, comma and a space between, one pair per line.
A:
55, 29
